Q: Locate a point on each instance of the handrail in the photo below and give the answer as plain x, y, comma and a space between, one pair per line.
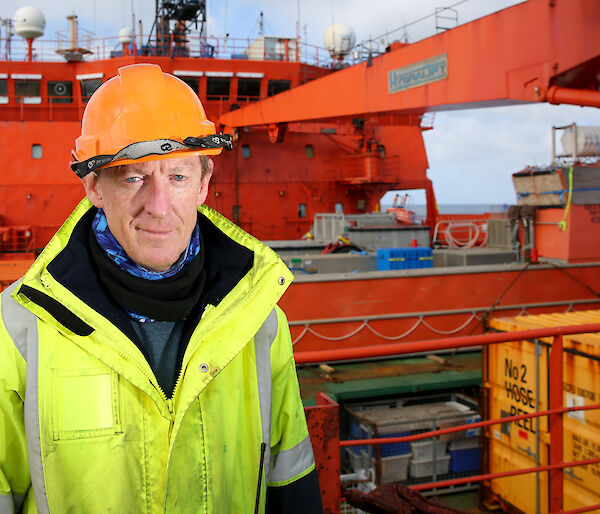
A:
366, 352
554, 412
444, 312
460, 428
45, 50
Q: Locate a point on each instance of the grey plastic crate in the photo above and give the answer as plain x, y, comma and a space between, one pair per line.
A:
394, 469
424, 449
424, 468
358, 461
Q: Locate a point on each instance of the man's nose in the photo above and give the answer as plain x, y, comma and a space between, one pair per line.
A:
157, 199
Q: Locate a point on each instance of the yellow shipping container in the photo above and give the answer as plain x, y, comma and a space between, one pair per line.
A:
515, 377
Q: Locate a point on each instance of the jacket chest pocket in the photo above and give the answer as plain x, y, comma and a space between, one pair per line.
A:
85, 403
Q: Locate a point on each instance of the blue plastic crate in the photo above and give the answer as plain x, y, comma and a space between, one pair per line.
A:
389, 450
464, 456
404, 258
358, 431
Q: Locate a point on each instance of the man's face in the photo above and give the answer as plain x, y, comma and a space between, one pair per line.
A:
151, 206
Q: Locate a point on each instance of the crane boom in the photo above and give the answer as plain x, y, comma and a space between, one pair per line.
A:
537, 51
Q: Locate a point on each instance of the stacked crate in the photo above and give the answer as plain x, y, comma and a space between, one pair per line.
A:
421, 459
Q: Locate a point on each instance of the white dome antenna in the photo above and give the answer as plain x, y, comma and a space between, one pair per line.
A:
339, 40
125, 36
29, 23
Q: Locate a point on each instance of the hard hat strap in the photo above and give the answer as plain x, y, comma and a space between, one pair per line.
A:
157, 147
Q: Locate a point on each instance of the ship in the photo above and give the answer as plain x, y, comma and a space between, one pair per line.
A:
317, 143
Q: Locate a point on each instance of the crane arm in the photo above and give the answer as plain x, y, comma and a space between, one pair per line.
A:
536, 51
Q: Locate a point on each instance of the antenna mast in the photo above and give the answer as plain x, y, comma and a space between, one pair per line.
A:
173, 21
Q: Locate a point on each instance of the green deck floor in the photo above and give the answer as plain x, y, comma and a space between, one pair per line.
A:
368, 380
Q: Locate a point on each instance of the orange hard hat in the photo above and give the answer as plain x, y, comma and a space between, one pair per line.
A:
140, 115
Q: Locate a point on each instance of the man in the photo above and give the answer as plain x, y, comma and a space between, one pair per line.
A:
145, 365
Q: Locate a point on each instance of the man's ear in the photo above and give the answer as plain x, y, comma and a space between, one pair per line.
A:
203, 192
91, 184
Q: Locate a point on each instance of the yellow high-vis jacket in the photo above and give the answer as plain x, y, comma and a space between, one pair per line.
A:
84, 424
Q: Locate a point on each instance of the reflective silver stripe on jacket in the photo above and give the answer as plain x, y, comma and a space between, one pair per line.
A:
16, 319
288, 464
9, 504
262, 347
21, 325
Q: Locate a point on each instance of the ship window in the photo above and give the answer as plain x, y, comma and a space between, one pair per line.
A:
248, 89
302, 210
3, 91
60, 91
193, 82
36, 151
361, 204
28, 91
278, 86
339, 208
310, 151
88, 87
217, 88
246, 151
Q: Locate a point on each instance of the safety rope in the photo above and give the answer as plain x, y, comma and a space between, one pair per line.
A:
398, 337
456, 330
340, 338
420, 321
563, 223
366, 324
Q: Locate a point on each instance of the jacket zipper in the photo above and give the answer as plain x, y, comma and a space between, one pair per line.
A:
151, 378
263, 448
180, 375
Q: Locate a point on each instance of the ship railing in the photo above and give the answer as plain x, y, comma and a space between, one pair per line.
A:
16, 239
323, 418
42, 108
368, 167
433, 323
100, 48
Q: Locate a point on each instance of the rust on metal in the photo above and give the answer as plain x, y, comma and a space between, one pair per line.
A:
323, 426
394, 499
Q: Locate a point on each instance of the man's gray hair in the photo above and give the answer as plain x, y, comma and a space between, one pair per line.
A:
204, 164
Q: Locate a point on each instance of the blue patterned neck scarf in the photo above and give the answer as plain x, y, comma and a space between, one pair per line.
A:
117, 254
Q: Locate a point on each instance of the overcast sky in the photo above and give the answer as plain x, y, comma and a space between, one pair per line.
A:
472, 153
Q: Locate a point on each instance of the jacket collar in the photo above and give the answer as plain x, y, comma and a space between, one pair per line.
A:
245, 279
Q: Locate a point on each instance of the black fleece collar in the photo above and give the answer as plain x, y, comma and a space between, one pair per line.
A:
168, 299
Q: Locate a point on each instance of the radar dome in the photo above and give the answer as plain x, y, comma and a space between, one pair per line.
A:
125, 36
29, 22
339, 39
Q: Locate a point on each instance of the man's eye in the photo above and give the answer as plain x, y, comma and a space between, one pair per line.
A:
132, 180
179, 178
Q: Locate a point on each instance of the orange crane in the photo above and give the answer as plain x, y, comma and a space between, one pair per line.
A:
537, 51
